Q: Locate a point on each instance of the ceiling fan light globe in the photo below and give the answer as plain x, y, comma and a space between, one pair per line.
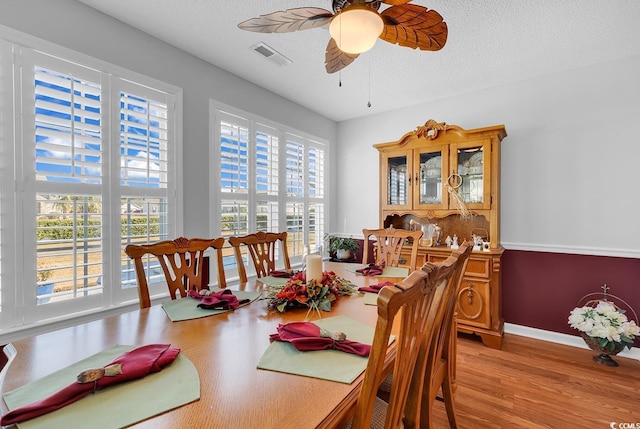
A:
356, 29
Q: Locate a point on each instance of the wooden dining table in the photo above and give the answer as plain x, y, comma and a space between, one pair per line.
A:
225, 349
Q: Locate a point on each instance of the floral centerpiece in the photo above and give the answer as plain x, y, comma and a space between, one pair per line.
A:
297, 292
604, 327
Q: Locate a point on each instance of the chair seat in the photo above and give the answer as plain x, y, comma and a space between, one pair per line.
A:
378, 415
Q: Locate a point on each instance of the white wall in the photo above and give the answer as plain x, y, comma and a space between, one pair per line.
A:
76, 26
570, 161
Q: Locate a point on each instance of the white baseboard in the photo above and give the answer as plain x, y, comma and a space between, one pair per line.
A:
555, 337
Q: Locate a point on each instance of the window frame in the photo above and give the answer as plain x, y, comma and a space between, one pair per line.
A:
18, 188
254, 123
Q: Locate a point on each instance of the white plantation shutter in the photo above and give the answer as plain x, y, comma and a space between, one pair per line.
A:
295, 172
97, 169
267, 178
316, 172
296, 223
143, 141
316, 227
316, 224
267, 154
267, 218
234, 161
67, 127
64, 150
147, 178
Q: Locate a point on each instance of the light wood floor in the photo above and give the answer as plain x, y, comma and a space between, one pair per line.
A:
537, 384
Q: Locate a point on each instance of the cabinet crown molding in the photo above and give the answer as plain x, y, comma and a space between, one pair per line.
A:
430, 129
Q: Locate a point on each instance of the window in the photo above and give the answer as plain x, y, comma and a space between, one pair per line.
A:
97, 170
266, 177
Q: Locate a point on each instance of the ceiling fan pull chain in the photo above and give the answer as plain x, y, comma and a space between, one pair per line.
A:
369, 102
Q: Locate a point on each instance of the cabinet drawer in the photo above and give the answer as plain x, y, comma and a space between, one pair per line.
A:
476, 267
436, 258
474, 303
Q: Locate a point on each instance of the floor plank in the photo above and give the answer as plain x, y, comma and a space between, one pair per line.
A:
537, 384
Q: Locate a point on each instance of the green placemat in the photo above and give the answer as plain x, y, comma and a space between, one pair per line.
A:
370, 298
273, 281
187, 308
115, 406
330, 365
386, 272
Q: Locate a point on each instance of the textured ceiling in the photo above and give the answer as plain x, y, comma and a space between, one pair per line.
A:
490, 43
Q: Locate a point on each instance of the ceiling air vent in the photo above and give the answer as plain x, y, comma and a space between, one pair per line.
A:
271, 54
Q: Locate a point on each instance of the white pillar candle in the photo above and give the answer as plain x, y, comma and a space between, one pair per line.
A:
314, 268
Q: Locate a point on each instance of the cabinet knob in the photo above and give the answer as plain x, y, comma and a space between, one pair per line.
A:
470, 293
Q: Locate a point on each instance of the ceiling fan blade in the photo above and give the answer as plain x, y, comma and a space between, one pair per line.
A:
335, 60
302, 18
414, 26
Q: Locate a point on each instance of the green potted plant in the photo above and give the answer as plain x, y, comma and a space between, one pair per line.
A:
341, 247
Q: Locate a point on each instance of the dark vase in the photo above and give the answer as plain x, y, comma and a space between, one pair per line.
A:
605, 352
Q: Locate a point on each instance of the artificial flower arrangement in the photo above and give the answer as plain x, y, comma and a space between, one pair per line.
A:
605, 324
316, 296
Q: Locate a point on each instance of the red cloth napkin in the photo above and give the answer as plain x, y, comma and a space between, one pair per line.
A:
374, 288
282, 273
221, 300
307, 336
136, 363
372, 269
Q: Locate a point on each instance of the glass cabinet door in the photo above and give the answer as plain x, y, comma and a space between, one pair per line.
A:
429, 166
472, 164
397, 175
397, 181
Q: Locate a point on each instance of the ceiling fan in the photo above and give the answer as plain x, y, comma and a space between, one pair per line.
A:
355, 25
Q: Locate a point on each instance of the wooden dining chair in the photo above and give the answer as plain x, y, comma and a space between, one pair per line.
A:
388, 245
414, 301
182, 262
262, 246
437, 358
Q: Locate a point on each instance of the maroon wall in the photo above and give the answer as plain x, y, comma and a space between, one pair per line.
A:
539, 289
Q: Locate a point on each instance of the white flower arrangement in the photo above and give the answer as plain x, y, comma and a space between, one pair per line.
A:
606, 324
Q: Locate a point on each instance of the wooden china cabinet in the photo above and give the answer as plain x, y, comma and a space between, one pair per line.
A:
423, 176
